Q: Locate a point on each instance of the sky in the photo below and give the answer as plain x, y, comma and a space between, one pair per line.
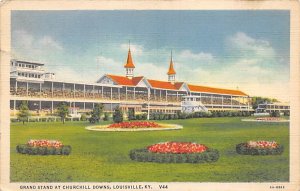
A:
245, 50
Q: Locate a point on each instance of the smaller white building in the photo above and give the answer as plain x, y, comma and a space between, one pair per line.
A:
191, 104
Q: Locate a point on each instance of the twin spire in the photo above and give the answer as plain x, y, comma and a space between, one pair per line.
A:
129, 67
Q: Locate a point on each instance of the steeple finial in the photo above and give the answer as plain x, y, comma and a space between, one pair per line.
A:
171, 73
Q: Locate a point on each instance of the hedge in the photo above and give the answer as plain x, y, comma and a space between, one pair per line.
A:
244, 150
25, 149
183, 115
143, 155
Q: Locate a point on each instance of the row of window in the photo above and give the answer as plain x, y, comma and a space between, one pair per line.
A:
29, 75
31, 66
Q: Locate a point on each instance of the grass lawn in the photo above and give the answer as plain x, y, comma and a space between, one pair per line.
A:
103, 156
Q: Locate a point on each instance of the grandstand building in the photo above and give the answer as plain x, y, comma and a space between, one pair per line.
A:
29, 81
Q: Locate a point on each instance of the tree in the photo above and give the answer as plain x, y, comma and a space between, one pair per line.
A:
23, 114
118, 115
131, 115
63, 111
260, 100
96, 113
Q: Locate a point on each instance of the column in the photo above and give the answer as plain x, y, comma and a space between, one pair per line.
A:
231, 101
177, 96
83, 105
159, 95
102, 92
51, 106
126, 92
111, 93
93, 105
70, 104
40, 105
15, 107
84, 90
222, 101
74, 91
40, 90
16, 86
27, 88
93, 91
63, 89
166, 95
154, 91
119, 94
134, 93
52, 89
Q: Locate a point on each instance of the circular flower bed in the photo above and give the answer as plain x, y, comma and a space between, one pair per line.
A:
135, 124
175, 152
44, 147
259, 148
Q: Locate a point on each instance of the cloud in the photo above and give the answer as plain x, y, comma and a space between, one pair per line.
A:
136, 49
201, 56
28, 47
243, 45
48, 42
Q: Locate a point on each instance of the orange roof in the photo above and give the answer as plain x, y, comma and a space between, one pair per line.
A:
195, 88
122, 80
178, 85
162, 84
129, 63
171, 69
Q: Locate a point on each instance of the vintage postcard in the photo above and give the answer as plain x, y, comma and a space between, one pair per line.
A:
149, 95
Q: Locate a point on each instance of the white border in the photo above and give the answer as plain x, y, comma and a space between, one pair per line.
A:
293, 6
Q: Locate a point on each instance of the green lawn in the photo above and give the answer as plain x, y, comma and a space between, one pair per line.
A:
103, 156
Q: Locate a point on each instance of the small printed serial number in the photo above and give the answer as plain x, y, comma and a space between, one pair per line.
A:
276, 187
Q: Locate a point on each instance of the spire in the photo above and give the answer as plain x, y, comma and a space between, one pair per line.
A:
129, 66
129, 63
171, 67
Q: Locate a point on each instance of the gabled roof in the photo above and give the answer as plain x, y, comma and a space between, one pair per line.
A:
122, 80
178, 85
196, 88
162, 84
129, 63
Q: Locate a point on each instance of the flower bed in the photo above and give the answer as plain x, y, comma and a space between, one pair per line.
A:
175, 152
44, 147
268, 119
135, 124
259, 148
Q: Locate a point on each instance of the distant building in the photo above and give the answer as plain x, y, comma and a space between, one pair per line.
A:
270, 107
29, 81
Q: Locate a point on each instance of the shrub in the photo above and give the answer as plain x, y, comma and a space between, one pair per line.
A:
118, 115
131, 115
26, 149
244, 149
106, 116
275, 114
83, 117
143, 155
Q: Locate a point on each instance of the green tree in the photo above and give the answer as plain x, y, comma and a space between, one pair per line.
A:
63, 111
23, 113
118, 115
260, 100
131, 115
96, 113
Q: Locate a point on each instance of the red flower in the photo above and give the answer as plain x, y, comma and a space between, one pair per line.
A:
177, 147
135, 124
